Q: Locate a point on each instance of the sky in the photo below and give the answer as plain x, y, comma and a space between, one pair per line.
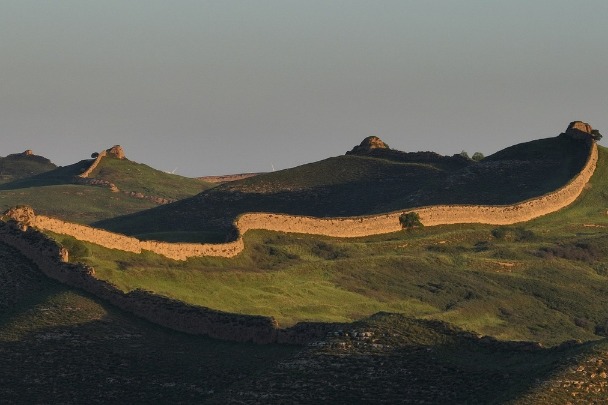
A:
228, 86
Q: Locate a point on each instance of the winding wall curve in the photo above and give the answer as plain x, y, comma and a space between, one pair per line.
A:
94, 165
349, 227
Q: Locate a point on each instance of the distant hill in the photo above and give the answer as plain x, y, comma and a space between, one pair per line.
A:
369, 181
21, 165
114, 186
227, 177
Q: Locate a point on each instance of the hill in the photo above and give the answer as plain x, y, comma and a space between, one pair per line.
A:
369, 182
51, 335
389, 358
98, 188
542, 280
480, 314
60, 345
21, 165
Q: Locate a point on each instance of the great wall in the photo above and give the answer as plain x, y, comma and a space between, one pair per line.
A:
24, 232
347, 227
51, 259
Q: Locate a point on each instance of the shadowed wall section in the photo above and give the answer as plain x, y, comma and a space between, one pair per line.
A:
51, 259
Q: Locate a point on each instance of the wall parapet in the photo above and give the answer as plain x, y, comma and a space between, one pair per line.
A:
342, 227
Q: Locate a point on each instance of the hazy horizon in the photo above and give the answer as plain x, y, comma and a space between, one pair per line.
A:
221, 87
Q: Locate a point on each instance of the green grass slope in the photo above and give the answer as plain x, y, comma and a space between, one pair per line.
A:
21, 165
74, 203
63, 346
545, 280
359, 185
59, 345
136, 177
56, 193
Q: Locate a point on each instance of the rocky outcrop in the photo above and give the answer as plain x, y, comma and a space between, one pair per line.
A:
369, 143
154, 199
116, 151
582, 131
579, 126
96, 183
23, 215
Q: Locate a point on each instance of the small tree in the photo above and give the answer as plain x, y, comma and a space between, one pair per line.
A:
410, 220
595, 134
477, 156
464, 154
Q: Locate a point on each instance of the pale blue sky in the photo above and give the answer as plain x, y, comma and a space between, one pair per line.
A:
216, 87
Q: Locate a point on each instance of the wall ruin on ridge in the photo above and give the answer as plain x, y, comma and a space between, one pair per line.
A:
349, 227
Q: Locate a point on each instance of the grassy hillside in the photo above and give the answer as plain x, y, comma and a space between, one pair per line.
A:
544, 280
61, 345
82, 204
56, 193
412, 361
21, 165
358, 185
139, 178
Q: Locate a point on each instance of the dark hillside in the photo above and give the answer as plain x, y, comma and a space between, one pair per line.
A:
370, 182
338, 186
389, 358
58, 176
59, 345
517, 173
21, 165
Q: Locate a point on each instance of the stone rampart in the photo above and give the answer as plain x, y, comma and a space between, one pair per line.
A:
52, 261
429, 216
348, 227
176, 251
94, 165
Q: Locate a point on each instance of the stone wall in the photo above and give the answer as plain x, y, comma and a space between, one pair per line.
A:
51, 259
176, 251
429, 216
94, 165
349, 227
